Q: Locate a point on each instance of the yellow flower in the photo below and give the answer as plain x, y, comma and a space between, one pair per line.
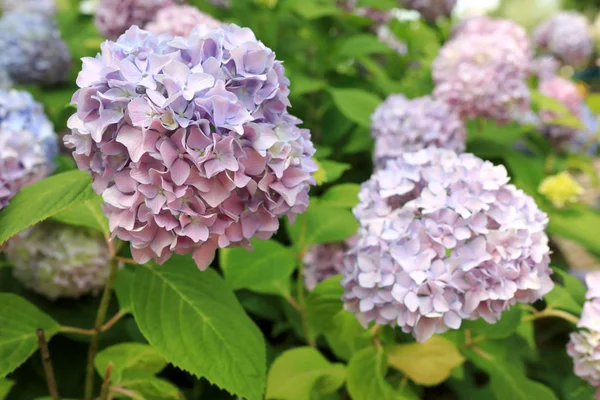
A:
560, 189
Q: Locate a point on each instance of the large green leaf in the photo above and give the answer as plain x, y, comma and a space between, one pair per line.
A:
129, 358
148, 387
88, 214
356, 104
19, 321
347, 335
578, 223
360, 45
323, 303
343, 195
44, 199
365, 378
507, 325
299, 372
194, 320
5, 386
560, 298
123, 287
266, 269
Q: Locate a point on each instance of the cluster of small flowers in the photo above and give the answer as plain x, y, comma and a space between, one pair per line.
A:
27, 143
114, 17
5, 81
189, 141
443, 238
47, 7
324, 260
400, 125
482, 71
179, 20
566, 36
32, 48
59, 260
431, 10
544, 67
584, 346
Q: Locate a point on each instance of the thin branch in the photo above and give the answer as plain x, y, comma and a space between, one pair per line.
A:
116, 318
100, 317
79, 331
121, 390
104, 392
293, 303
126, 260
302, 305
47, 362
551, 312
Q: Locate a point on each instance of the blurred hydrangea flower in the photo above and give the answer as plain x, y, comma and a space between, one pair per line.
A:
28, 144
88, 7
482, 76
190, 142
114, 17
560, 189
431, 10
5, 81
544, 67
47, 7
401, 125
567, 36
32, 49
584, 346
179, 20
324, 260
443, 237
57, 260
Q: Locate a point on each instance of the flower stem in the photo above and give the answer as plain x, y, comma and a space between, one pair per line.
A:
102, 309
47, 362
104, 392
126, 260
302, 305
551, 312
115, 318
79, 331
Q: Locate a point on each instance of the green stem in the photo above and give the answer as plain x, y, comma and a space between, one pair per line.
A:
551, 312
302, 305
100, 317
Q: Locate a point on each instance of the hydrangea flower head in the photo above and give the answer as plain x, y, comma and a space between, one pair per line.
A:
32, 49
114, 17
189, 141
584, 346
567, 36
443, 238
5, 81
544, 67
400, 125
482, 76
179, 20
431, 10
28, 144
57, 260
561, 189
47, 7
324, 260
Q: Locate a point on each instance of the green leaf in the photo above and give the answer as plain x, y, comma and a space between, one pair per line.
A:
356, 104
127, 358
123, 288
266, 269
560, 298
429, 363
314, 9
44, 199
578, 223
323, 303
5, 386
148, 387
574, 286
194, 320
593, 102
361, 45
366, 377
333, 170
88, 214
541, 102
301, 85
343, 195
347, 336
19, 321
299, 372
507, 325
321, 224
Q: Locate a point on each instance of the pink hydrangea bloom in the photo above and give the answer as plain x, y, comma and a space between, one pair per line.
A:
179, 20
324, 260
189, 141
431, 10
401, 125
443, 238
114, 17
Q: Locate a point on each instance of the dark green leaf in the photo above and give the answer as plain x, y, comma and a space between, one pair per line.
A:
507, 325
356, 104
323, 303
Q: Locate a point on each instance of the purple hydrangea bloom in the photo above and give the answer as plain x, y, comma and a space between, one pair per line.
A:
189, 141
431, 10
179, 20
566, 36
482, 76
32, 49
584, 346
324, 260
401, 125
503, 28
57, 260
5, 81
544, 67
47, 7
442, 238
27, 143
114, 17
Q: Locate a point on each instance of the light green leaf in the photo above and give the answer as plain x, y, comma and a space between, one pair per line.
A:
44, 199
593, 102
541, 102
429, 363
19, 321
343, 195
299, 372
361, 45
123, 287
347, 335
323, 303
5, 386
88, 214
314, 9
127, 358
266, 269
321, 224
148, 387
365, 378
356, 104
574, 286
333, 170
507, 325
577, 223
301, 85
560, 298
194, 320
